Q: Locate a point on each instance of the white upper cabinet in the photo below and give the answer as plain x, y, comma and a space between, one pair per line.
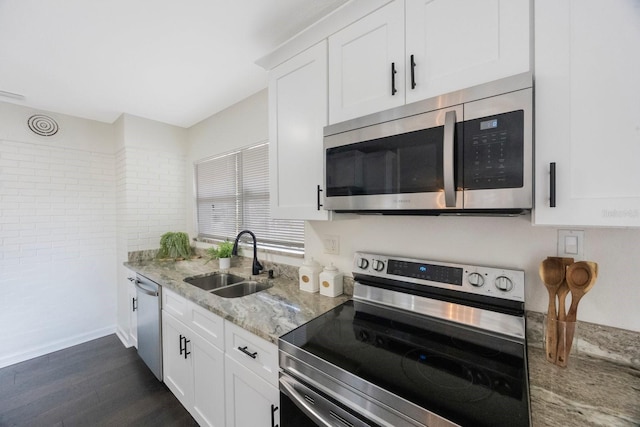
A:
461, 43
297, 116
587, 62
367, 64
434, 47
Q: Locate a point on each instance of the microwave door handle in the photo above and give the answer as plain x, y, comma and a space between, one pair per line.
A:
448, 159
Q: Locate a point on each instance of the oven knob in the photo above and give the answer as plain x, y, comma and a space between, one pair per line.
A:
503, 283
476, 279
364, 336
363, 263
378, 265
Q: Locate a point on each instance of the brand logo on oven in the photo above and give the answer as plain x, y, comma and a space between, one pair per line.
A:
403, 201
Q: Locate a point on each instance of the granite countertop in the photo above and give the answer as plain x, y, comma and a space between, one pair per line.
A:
600, 386
268, 314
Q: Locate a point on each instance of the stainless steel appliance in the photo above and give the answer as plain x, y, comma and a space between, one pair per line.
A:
422, 343
148, 294
469, 152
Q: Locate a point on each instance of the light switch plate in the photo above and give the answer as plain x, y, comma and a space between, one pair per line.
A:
571, 244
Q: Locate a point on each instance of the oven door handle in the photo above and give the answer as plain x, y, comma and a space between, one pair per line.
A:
287, 388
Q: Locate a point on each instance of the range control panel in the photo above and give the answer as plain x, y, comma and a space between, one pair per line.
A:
479, 280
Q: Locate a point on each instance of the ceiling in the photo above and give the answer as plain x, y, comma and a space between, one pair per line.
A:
176, 62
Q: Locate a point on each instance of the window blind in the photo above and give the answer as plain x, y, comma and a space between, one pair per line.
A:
232, 194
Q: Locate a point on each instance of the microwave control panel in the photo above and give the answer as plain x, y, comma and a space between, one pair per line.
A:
494, 151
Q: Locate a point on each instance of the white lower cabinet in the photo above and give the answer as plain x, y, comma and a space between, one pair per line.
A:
194, 367
251, 379
251, 401
132, 310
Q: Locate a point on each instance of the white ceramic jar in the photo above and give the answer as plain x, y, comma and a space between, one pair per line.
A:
331, 281
309, 274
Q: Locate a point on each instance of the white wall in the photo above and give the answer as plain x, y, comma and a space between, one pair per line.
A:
57, 234
150, 165
503, 242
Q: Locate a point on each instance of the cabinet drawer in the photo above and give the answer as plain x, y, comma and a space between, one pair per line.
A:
209, 325
253, 352
174, 304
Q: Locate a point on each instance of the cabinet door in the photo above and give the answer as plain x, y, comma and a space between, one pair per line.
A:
587, 112
297, 115
208, 382
133, 313
361, 57
461, 43
177, 370
251, 401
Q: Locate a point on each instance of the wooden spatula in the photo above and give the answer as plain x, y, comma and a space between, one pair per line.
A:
552, 275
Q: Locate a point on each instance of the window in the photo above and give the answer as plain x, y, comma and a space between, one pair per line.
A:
232, 194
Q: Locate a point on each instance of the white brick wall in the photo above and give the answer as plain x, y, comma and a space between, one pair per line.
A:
57, 247
151, 196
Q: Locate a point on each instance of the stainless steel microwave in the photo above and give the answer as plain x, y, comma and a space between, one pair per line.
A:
466, 152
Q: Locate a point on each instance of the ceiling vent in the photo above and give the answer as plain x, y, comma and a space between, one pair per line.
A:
42, 125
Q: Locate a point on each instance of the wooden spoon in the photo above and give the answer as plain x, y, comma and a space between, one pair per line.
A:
552, 274
563, 291
581, 277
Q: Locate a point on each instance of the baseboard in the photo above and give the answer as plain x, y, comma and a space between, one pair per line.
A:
124, 337
55, 346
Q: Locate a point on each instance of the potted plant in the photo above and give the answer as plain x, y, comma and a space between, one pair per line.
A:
222, 253
174, 245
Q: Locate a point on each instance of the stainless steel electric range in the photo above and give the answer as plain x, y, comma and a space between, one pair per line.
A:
422, 343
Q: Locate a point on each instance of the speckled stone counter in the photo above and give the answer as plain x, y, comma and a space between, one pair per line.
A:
268, 314
599, 387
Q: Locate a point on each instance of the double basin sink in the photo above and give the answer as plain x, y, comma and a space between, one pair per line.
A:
227, 285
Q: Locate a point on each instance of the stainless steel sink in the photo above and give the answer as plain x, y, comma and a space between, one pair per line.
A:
210, 281
241, 289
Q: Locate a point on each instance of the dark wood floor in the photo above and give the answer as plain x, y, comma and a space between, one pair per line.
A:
99, 383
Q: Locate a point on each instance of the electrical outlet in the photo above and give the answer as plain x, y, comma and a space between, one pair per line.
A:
571, 244
331, 244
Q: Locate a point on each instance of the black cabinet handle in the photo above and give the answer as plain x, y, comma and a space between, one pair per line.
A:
134, 304
393, 78
318, 195
182, 349
245, 351
413, 73
274, 408
186, 353
552, 184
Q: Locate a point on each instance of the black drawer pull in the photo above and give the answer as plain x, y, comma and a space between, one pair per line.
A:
245, 351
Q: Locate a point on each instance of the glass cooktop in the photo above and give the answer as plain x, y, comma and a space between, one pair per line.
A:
468, 377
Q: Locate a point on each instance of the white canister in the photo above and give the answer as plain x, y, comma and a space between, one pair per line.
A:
310, 276
331, 282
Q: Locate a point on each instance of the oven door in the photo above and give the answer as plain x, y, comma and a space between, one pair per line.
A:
303, 406
409, 163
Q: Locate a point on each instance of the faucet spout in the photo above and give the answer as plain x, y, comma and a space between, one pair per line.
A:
256, 266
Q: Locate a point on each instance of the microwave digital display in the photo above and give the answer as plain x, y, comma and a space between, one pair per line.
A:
489, 124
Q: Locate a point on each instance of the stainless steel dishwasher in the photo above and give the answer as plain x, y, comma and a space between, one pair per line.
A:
149, 296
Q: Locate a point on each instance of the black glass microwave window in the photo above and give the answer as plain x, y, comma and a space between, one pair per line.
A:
494, 152
406, 163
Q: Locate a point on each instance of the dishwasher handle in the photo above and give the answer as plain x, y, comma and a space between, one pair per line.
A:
144, 290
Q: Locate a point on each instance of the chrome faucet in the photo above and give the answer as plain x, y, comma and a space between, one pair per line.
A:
256, 267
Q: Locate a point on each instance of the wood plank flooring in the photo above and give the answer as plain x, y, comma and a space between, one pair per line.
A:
98, 383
